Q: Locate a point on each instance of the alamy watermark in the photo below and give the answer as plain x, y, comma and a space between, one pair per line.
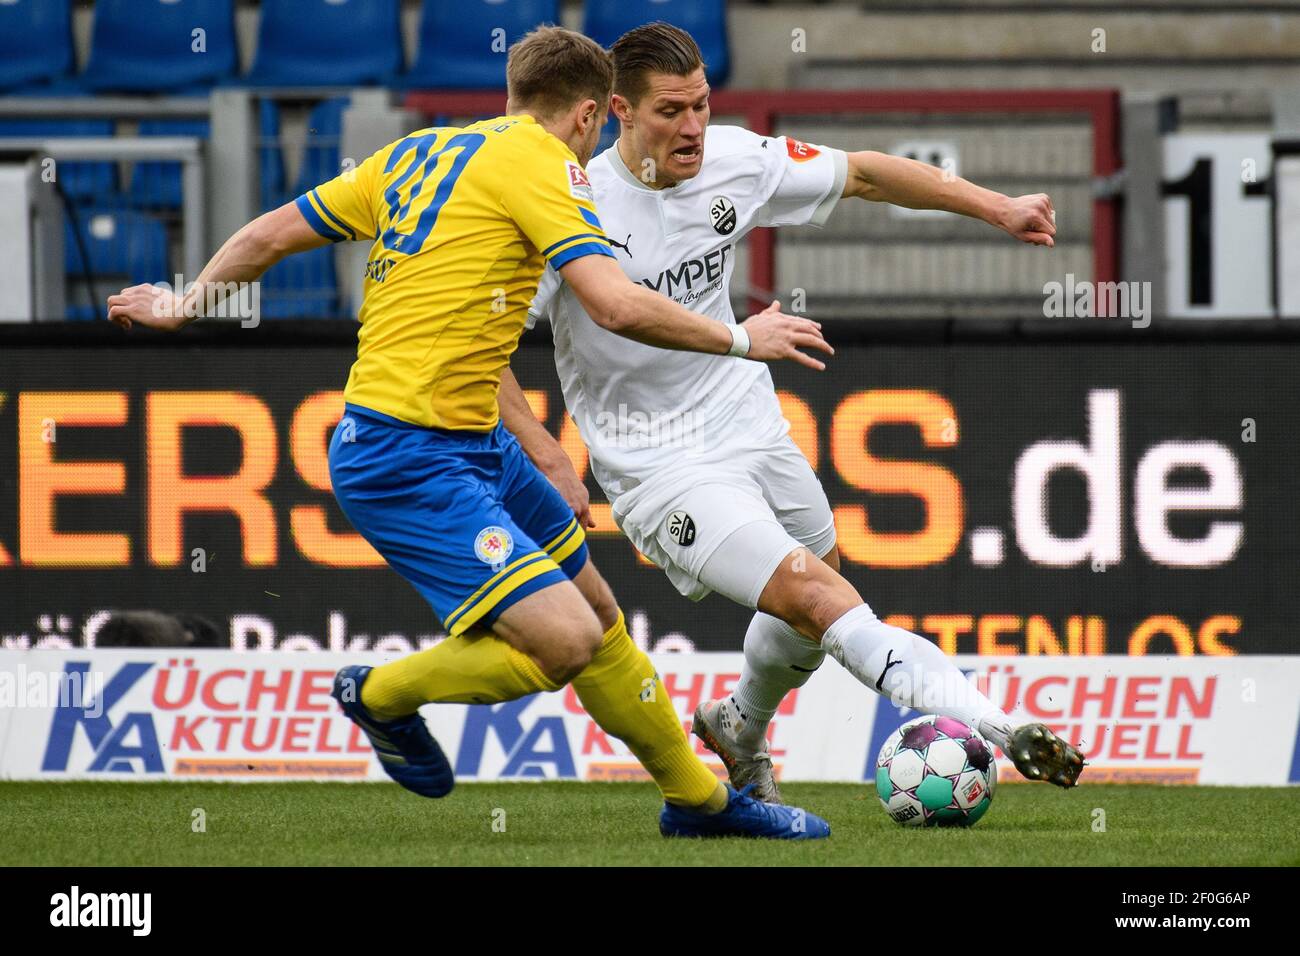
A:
21, 688
627, 428
1072, 299
220, 300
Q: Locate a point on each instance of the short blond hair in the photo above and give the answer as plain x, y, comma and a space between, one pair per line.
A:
551, 69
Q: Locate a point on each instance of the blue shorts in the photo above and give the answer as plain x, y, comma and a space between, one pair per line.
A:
464, 516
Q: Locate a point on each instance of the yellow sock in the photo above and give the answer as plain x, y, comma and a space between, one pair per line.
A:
474, 668
624, 695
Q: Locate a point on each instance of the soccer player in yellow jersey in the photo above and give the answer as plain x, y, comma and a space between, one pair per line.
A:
461, 223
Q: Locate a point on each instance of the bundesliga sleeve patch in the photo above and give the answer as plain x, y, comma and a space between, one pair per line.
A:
579, 184
800, 152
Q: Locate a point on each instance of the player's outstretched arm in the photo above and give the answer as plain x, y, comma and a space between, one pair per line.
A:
244, 257
627, 308
542, 449
879, 177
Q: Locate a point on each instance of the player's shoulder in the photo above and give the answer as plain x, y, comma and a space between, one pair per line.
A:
736, 145
519, 148
409, 143
521, 135
384, 152
722, 140
601, 171
742, 159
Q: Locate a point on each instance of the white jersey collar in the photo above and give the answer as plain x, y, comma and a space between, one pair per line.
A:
615, 159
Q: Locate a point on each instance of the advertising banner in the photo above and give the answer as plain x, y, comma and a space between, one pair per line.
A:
225, 715
1011, 498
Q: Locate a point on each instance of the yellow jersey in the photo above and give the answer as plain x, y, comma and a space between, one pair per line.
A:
463, 221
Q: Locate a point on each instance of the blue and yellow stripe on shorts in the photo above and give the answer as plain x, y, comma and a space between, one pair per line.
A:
559, 554
566, 545
509, 579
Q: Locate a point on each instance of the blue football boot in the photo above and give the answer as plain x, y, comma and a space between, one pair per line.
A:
405, 748
744, 816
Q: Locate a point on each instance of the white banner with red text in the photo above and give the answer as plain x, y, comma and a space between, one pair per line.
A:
225, 715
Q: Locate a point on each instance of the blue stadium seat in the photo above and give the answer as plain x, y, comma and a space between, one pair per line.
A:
148, 45
327, 43
124, 247
35, 42
305, 286
706, 20
322, 152
460, 46
302, 286
270, 160
157, 183
83, 181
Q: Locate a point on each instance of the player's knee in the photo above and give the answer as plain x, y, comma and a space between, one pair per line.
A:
571, 653
573, 636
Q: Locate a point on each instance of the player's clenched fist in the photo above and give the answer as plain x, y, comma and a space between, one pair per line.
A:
774, 335
152, 306
1030, 219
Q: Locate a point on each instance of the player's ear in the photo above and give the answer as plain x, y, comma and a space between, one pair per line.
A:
622, 108
588, 111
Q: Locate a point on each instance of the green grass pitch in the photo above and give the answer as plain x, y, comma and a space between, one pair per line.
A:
584, 824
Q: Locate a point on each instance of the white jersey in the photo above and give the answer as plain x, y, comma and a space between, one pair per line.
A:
642, 410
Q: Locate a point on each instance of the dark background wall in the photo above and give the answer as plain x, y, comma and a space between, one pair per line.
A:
917, 441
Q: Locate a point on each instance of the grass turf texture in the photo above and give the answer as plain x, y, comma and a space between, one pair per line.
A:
114, 824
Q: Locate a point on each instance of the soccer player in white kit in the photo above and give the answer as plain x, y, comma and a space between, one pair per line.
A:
692, 450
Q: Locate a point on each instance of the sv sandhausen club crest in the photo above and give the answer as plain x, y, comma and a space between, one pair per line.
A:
722, 213
681, 528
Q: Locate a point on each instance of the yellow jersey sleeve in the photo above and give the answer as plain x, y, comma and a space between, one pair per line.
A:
555, 209
346, 206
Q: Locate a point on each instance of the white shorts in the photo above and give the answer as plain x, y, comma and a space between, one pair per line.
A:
679, 522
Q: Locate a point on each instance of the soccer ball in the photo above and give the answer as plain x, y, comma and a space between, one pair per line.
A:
936, 772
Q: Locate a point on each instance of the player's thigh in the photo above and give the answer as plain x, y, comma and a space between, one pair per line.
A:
798, 499
539, 509
555, 626
832, 558
427, 503
682, 530
743, 564
795, 495
761, 566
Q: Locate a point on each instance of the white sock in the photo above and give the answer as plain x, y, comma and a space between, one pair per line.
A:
777, 659
911, 671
